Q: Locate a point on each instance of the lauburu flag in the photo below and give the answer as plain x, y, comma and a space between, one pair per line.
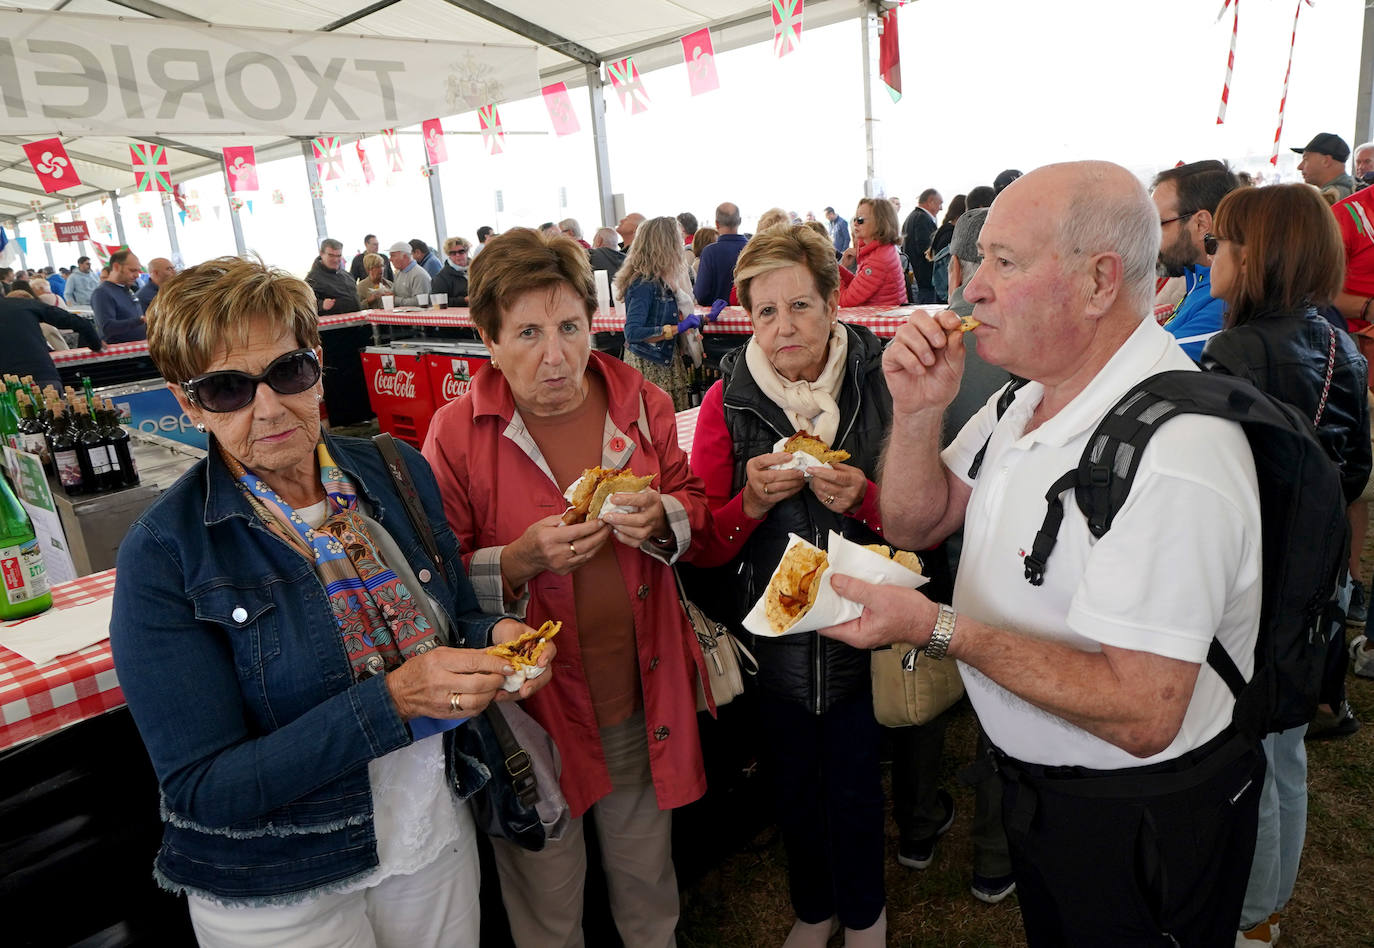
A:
700, 56
242, 166
51, 164
435, 149
559, 104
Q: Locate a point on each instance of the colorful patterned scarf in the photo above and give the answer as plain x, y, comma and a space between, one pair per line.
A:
378, 619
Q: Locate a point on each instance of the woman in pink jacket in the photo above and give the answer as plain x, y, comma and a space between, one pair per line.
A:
622, 706
871, 271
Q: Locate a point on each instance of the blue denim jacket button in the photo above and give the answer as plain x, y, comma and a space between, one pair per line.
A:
240, 614
425, 575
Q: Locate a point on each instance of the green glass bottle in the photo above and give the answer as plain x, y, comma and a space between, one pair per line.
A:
24, 573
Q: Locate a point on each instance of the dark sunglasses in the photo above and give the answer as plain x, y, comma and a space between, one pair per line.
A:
859, 220
1210, 243
458, 251
288, 374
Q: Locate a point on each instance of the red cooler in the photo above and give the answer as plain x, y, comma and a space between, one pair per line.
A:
399, 391
451, 366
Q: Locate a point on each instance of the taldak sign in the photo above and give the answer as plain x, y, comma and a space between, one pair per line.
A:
92, 75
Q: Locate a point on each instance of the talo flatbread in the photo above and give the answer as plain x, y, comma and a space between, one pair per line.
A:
794, 587
525, 651
622, 482
808, 443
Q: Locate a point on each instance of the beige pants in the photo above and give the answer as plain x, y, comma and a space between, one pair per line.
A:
543, 891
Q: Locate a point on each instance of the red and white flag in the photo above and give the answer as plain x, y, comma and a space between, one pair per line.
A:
559, 104
368, 176
493, 135
628, 85
700, 56
787, 26
435, 149
51, 164
242, 166
392, 148
150, 167
328, 160
889, 54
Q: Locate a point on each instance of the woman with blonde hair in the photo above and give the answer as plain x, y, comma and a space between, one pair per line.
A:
658, 304
452, 280
871, 271
773, 217
374, 286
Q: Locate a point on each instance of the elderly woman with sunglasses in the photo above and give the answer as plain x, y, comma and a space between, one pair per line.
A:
297, 664
452, 280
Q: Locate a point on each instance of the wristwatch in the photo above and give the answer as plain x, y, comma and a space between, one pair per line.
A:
942, 633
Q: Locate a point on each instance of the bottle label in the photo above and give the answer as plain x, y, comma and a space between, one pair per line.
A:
100, 459
68, 468
35, 444
25, 573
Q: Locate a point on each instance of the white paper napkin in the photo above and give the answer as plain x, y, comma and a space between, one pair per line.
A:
800, 460
850, 559
606, 508
56, 632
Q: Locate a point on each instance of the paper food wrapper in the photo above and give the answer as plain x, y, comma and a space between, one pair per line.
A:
801, 461
606, 508
846, 558
518, 677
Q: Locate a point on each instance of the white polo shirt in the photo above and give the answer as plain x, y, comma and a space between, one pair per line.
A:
1180, 563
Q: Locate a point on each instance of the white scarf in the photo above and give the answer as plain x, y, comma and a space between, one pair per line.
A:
810, 406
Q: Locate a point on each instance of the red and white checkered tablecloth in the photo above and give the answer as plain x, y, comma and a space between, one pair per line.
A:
38, 699
687, 429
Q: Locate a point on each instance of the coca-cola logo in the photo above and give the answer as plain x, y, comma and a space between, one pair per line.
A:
454, 388
399, 385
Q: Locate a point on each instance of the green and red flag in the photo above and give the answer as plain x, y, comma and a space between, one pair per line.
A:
150, 168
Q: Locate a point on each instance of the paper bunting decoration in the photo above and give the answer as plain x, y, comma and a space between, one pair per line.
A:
328, 161
193, 211
235, 204
37, 205
102, 223
278, 197
179, 197
242, 166
493, 135
435, 149
317, 191
51, 164
368, 176
700, 56
392, 148
145, 220
72, 205
250, 206
48, 230
1292, 41
182, 215
628, 85
559, 104
889, 55
787, 26
150, 168
1230, 59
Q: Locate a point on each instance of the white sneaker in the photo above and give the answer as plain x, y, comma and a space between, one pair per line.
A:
1361, 659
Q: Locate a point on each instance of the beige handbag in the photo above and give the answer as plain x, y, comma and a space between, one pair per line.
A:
911, 688
727, 660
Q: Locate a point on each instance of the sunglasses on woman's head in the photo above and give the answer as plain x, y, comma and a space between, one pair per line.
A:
230, 390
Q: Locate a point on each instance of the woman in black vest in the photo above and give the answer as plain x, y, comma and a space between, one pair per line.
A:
803, 369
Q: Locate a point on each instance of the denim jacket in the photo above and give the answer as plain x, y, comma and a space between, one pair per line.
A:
232, 665
649, 306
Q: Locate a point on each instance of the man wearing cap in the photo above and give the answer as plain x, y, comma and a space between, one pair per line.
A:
1186, 198
1323, 166
411, 278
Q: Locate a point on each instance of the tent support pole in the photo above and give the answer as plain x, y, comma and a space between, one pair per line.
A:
312, 173
436, 201
597, 100
119, 219
868, 27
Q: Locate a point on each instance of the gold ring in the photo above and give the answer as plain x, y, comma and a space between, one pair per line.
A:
830, 500
572, 549
765, 488
455, 702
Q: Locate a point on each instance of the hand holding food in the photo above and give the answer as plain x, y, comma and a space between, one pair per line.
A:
637, 516
840, 488
425, 685
587, 497
924, 363
809, 444
794, 587
766, 483
528, 655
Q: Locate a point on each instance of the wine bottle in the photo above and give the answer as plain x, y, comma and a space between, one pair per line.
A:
117, 444
64, 452
95, 464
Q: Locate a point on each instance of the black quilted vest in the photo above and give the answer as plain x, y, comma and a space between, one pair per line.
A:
806, 668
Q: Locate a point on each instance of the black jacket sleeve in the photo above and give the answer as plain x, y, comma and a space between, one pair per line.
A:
56, 316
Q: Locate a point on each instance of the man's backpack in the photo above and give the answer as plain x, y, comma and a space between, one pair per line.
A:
1305, 534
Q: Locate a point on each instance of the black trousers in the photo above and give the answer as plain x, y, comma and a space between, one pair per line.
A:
1149, 856
830, 806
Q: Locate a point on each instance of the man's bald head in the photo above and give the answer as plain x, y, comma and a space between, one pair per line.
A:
628, 226
160, 270
728, 218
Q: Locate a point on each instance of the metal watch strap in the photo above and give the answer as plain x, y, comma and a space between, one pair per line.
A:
942, 633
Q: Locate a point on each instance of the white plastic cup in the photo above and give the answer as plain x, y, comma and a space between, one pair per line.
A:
388, 302
603, 292
422, 299
440, 300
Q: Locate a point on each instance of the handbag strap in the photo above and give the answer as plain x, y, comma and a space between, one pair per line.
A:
1330, 368
410, 498
514, 757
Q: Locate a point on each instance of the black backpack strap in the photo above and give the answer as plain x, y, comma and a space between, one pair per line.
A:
1225, 666
514, 758
1003, 403
410, 498
1049, 529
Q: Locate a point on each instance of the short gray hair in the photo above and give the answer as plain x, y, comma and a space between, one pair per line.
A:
571, 225
329, 243
606, 237
1127, 224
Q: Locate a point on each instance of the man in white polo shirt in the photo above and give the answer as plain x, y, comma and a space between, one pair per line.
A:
1130, 806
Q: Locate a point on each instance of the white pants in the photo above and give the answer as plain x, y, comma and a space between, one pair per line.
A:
436, 907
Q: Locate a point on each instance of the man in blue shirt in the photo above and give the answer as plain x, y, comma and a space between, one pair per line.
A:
839, 230
716, 272
57, 281
81, 283
117, 313
160, 270
1186, 198
419, 251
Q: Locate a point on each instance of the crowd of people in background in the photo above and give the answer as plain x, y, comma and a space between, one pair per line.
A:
1111, 792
